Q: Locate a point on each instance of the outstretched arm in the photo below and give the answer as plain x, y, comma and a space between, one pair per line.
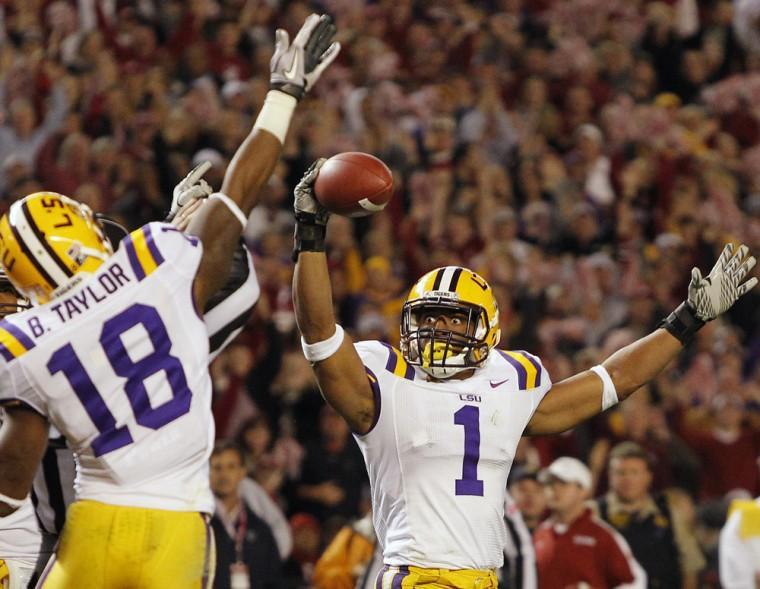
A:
23, 439
341, 374
295, 68
580, 397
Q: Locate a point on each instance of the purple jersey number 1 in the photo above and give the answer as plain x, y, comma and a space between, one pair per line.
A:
135, 372
469, 417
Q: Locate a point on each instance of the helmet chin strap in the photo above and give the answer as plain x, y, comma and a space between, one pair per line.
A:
442, 372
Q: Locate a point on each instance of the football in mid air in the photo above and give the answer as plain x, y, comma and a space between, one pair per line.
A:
354, 184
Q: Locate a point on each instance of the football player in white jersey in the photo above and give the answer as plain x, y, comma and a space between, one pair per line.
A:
439, 421
114, 353
28, 535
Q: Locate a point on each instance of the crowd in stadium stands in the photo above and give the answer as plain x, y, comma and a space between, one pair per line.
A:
582, 155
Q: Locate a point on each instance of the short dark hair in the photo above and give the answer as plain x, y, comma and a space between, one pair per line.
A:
228, 445
522, 473
631, 450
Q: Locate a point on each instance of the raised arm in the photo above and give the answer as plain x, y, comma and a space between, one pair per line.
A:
337, 366
582, 396
295, 68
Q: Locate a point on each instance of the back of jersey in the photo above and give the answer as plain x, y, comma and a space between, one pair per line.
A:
119, 365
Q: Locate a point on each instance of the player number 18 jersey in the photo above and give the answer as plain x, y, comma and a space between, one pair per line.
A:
119, 366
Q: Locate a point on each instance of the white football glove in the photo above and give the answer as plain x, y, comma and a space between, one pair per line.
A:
718, 291
296, 67
191, 187
305, 203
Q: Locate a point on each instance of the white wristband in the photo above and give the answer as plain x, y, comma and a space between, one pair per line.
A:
232, 206
319, 351
609, 394
14, 503
276, 113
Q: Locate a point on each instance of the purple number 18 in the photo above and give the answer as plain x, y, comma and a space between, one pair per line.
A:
469, 417
111, 437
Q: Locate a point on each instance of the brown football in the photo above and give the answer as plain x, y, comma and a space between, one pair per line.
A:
354, 184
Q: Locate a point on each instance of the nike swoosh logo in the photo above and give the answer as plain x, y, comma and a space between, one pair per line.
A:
497, 384
291, 73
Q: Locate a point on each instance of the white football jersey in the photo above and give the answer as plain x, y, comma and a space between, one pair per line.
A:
439, 455
20, 537
118, 364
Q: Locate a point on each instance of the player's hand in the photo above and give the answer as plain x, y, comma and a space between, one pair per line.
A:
185, 214
718, 291
192, 186
305, 204
296, 67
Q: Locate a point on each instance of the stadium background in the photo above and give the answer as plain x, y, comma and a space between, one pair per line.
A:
582, 154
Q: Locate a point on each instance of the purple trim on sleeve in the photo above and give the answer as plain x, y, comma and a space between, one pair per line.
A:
5, 352
375, 385
23, 339
536, 365
157, 257
522, 374
390, 366
132, 256
409, 374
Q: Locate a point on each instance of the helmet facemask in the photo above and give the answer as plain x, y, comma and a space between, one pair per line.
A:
440, 352
20, 303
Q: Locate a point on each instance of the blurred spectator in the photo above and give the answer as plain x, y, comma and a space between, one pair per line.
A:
740, 546
352, 560
727, 448
333, 471
529, 496
246, 551
574, 548
298, 571
519, 569
654, 525
22, 135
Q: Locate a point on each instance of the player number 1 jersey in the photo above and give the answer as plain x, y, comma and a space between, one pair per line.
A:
439, 455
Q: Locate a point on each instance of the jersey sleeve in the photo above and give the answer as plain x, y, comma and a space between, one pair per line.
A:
228, 310
530, 373
16, 389
156, 244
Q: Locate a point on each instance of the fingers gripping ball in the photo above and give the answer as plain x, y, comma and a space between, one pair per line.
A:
354, 184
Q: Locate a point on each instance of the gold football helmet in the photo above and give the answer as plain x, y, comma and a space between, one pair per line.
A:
442, 353
46, 239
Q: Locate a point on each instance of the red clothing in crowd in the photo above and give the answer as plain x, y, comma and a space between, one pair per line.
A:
588, 551
728, 463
